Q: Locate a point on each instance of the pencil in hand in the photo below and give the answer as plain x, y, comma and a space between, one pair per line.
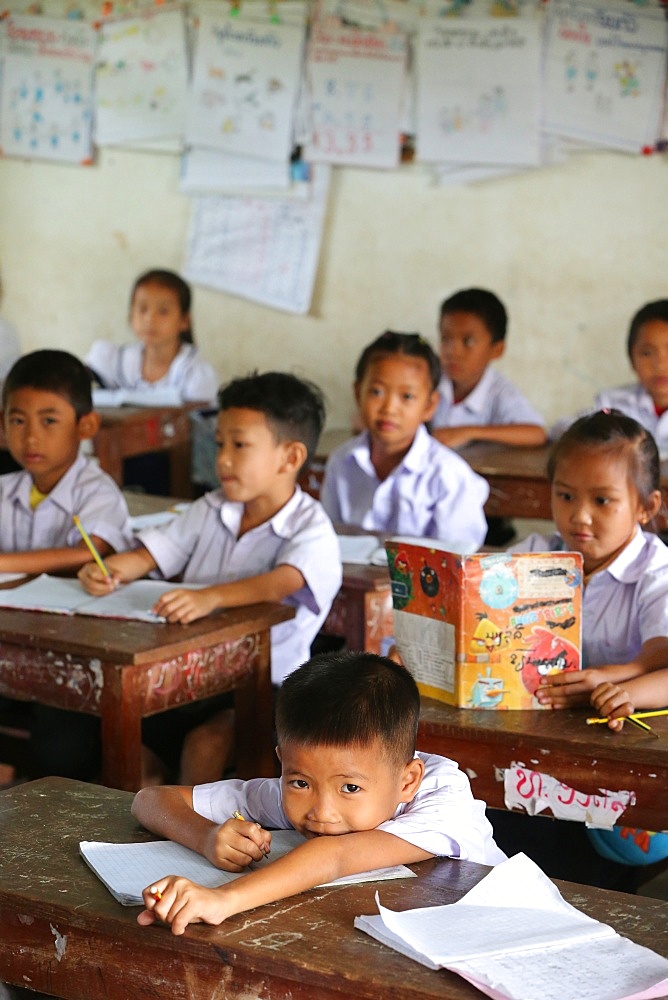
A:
90, 546
237, 815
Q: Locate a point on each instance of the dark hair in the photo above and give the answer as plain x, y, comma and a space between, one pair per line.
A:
648, 312
613, 431
52, 371
411, 344
487, 306
294, 408
340, 699
176, 284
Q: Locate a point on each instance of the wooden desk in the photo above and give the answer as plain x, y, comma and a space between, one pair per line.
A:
125, 670
558, 743
362, 609
517, 478
62, 932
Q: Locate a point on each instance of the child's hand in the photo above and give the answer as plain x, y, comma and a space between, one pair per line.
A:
612, 702
453, 437
94, 581
235, 844
185, 606
568, 689
179, 902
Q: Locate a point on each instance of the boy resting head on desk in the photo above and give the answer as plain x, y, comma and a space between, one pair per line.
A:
257, 538
351, 783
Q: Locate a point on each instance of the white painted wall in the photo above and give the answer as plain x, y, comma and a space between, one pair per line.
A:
572, 250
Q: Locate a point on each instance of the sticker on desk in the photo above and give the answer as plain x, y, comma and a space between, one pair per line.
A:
535, 792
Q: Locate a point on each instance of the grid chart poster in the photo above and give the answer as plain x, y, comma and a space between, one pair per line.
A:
605, 73
141, 79
263, 249
478, 90
357, 85
47, 91
245, 81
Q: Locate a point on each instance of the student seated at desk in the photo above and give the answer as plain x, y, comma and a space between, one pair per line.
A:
258, 538
394, 477
604, 472
47, 411
352, 784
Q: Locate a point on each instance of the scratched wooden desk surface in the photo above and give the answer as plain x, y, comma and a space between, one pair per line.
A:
63, 933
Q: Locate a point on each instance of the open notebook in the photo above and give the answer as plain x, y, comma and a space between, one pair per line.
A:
513, 936
126, 869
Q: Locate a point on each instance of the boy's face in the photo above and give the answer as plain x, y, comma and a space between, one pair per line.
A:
649, 358
156, 317
43, 434
466, 350
250, 463
331, 790
394, 397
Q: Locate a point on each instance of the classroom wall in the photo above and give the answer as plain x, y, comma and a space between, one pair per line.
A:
573, 250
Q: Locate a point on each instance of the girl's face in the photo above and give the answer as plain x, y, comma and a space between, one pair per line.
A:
394, 397
156, 317
596, 505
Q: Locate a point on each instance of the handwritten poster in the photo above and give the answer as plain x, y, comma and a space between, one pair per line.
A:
605, 73
245, 81
478, 90
263, 249
141, 79
357, 86
46, 101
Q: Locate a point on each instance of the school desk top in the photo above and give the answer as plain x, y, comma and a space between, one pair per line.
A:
62, 932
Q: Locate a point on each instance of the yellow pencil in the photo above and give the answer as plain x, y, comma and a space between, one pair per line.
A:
93, 551
636, 715
237, 815
639, 724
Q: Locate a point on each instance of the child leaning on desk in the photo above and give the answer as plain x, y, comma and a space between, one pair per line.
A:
47, 411
394, 477
257, 538
351, 782
605, 477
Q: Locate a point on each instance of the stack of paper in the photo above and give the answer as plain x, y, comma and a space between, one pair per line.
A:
164, 396
514, 936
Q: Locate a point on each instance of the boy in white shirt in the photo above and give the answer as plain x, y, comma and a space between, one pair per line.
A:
257, 538
352, 784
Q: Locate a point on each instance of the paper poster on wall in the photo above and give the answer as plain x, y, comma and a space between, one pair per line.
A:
46, 101
357, 86
205, 171
263, 249
244, 89
605, 71
478, 90
141, 79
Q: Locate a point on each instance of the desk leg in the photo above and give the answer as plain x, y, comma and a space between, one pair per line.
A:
121, 711
180, 470
254, 717
108, 454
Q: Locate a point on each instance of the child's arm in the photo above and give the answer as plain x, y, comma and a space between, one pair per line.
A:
319, 860
56, 560
187, 605
123, 567
614, 701
168, 810
574, 687
520, 435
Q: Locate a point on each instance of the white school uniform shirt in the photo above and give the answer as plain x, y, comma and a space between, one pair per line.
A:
432, 493
84, 490
625, 604
494, 400
120, 367
443, 818
203, 545
636, 402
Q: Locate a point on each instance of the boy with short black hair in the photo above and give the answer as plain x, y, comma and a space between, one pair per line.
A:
257, 538
351, 783
477, 403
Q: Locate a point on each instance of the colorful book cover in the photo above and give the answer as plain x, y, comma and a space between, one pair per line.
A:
484, 631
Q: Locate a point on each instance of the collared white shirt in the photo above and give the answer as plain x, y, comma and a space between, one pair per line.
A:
203, 545
636, 402
120, 367
84, 490
443, 818
494, 400
432, 493
625, 604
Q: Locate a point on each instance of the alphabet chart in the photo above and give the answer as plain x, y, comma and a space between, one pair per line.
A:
46, 102
141, 79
